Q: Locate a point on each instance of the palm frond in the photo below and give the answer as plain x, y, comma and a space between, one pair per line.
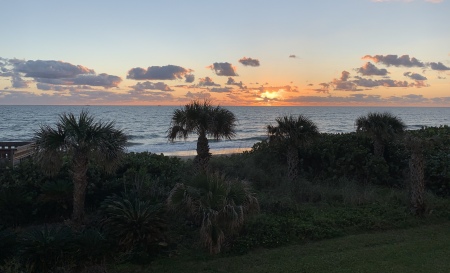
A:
219, 205
292, 130
380, 125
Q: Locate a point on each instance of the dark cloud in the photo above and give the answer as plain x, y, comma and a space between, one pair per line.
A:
293, 56
345, 75
47, 87
223, 69
411, 98
50, 69
383, 82
415, 76
249, 61
18, 82
345, 86
55, 73
342, 84
7, 73
371, 70
141, 86
55, 81
207, 81
231, 81
325, 88
394, 60
103, 79
439, 66
286, 88
145, 95
168, 72
198, 95
221, 89
189, 78
332, 99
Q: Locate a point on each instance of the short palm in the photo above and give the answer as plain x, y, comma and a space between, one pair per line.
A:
381, 127
217, 204
204, 120
79, 141
292, 133
134, 221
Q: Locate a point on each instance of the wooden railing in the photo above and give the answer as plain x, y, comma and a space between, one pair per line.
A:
11, 153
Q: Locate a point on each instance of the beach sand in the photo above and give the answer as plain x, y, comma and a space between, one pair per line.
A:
186, 155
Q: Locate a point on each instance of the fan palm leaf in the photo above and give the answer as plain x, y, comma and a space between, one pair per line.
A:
204, 120
381, 127
78, 141
292, 133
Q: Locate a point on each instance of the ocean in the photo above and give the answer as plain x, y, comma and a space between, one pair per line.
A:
147, 126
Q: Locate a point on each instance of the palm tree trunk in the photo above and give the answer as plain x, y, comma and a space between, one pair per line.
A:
80, 166
417, 194
378, 147
203, 154
292, 161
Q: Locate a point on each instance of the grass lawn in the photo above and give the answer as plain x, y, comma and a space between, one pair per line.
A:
422, 249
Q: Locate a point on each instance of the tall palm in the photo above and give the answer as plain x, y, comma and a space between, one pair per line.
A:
416, 146
293, 133
381, 127
217, 204
79, 141
203, 119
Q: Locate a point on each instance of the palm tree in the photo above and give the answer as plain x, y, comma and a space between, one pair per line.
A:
79, 141
204, 120
417, 147
381, 127
293, 133
218, 205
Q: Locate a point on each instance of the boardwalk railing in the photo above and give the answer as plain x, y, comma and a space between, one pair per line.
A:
11, 153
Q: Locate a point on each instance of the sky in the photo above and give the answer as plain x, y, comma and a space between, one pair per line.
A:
234, 52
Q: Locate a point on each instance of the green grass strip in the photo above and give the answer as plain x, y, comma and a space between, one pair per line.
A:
422, 249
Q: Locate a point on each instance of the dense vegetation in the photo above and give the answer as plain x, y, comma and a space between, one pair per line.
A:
154, 207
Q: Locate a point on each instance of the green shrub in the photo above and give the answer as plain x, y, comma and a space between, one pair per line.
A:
136, 224
16, 206
92, 248
218, 205
43, 249
8, 244
55, 199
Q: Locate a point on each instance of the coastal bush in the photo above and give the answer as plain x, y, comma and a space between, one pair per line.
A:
16, 206
43, 249
136, 224
350, 155
8, 244
260, 169
312, 223
92, 247
437, 158
55, 200
216, 204
168, 170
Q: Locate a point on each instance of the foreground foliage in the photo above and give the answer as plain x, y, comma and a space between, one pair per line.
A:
219, 205
76, 141
343, 189
417, 250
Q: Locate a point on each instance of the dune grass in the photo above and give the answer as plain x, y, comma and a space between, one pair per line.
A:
421, 249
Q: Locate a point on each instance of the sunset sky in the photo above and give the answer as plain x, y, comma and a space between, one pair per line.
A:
246, 52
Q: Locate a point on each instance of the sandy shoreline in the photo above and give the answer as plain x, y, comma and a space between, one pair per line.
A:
191, 154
